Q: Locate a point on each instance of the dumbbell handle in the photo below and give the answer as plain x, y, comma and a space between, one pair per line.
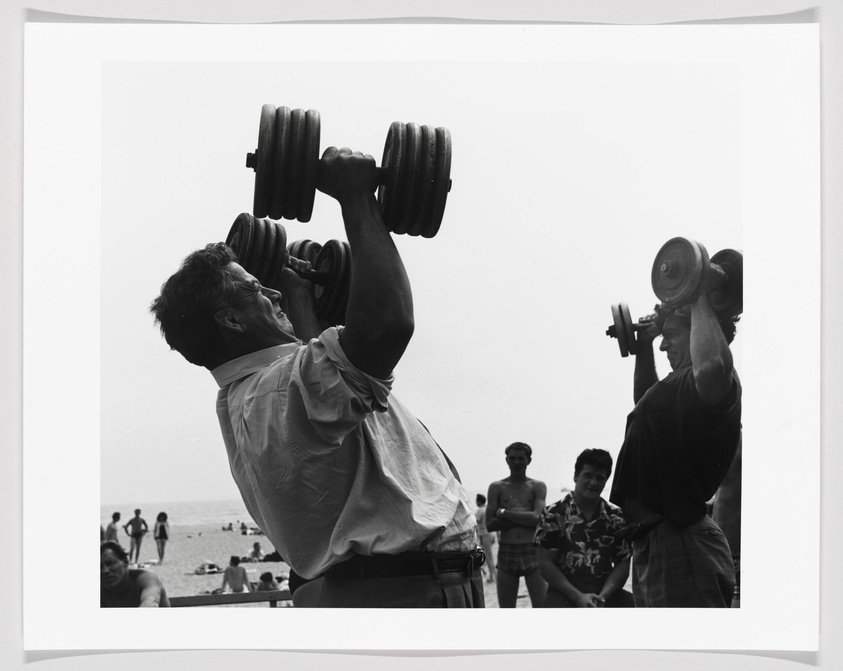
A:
382, 173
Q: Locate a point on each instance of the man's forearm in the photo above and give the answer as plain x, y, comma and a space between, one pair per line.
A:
380, 290
645, 375
616, 580
521, 518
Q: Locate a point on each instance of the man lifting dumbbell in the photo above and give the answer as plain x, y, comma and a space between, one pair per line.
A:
680, 440
327, 460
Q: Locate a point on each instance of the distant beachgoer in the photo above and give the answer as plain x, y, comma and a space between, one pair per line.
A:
515, 504
256, 554
486, 539
161, 534
111, 531
139, 528
267, 583
243, 528
235, 576
122, 587
581, 555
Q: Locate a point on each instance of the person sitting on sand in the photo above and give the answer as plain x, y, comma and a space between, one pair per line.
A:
267, 583
122, 587
139, 528
235, 576
256, 554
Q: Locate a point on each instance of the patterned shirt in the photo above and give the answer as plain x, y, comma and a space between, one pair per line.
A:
587, 548
330, 464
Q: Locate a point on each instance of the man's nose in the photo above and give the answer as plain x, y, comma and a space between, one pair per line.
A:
272, 294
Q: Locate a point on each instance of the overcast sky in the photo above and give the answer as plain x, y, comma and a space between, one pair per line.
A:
567, 179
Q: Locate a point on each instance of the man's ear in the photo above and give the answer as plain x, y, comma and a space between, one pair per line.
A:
228, 320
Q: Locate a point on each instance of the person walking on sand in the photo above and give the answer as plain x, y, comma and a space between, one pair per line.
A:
138, 527
514, 506
161, 533
235, 576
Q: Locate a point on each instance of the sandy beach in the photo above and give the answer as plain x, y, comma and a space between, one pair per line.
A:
190, 546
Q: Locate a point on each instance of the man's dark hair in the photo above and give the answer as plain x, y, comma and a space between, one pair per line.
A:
728, 323
115, 516
481, 500
235, 560
185, 310
520, 446
596, 458
116, 548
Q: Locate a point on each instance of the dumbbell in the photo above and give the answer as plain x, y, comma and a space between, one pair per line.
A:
681, 273
623, 328
261, 248
414, 176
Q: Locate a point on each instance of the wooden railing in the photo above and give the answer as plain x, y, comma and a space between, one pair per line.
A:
231, 598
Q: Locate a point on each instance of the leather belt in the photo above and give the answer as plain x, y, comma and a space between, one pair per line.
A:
409, 564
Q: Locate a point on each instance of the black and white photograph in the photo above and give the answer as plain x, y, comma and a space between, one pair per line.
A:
480, 335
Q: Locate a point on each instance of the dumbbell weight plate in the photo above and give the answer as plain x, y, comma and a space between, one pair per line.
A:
239, 236
255, 252
628, 330
279, 257
619, 330
623, 329
424, 181
392, 165
332, 297
728, 298
280, 155
265, 259
264, 161
679, 271
310, 164
409, 169
294, 164
442, 182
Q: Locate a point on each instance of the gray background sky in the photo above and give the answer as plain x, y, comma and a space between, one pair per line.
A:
829, 16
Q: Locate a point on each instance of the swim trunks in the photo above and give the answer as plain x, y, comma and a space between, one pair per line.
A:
518, 558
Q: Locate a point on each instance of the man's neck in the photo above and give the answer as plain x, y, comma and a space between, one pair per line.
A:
588, 508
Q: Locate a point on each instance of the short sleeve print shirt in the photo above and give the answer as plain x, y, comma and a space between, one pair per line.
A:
587, 548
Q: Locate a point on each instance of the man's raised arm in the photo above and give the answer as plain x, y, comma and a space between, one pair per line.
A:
710, 354
645, 375
379, 320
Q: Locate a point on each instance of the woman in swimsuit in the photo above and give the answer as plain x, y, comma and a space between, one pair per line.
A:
162, 534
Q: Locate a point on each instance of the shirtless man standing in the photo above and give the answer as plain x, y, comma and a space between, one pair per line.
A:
138, 529
514, 506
